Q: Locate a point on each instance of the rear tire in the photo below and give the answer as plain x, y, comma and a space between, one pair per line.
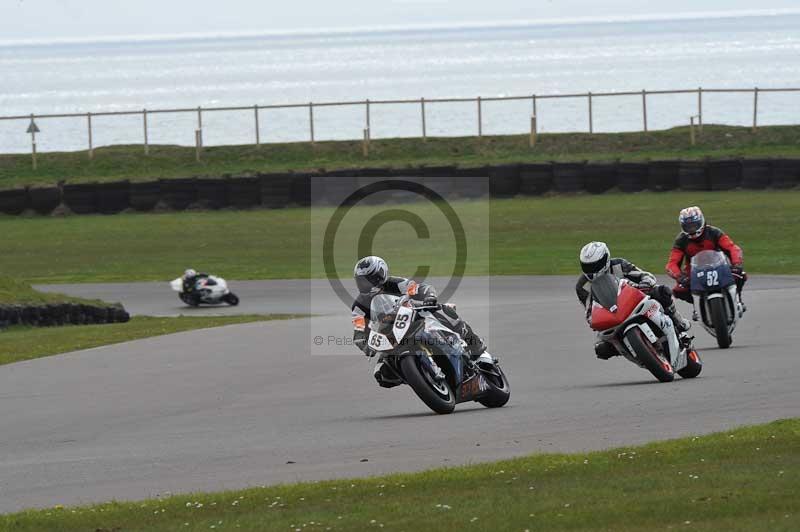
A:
693, 367
719, 317
500, 392
649, 357
231, 299
440, 401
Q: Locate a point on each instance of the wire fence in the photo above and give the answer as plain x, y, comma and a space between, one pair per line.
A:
425, 108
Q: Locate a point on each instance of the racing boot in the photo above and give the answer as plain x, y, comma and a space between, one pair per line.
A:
681, 324
604, 350
385, 376
475, 344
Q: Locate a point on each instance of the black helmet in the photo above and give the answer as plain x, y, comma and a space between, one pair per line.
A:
370, 274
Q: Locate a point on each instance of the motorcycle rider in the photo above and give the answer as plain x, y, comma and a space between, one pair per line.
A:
595, 259
372, 278
190, 278
697, 236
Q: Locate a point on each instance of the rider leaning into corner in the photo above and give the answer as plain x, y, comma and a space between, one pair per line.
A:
596, 259
372, 278
697, 236
190, 278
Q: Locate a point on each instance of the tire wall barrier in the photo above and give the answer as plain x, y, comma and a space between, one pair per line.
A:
61, 314
276, 191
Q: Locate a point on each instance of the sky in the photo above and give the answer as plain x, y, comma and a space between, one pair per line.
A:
88, 19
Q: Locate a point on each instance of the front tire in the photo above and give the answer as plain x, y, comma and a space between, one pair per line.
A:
437, 395
649, 356
719, 317
499, 390
231, 299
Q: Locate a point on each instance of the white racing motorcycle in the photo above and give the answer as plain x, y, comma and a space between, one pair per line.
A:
639, 330
209, 290
420, 351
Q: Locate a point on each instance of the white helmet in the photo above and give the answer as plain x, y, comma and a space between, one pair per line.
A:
595, 259
370, 273
189, 273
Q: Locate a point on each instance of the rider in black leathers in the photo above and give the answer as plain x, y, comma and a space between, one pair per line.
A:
372, 278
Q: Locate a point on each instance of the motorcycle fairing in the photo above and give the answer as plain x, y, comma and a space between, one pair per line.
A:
608, 317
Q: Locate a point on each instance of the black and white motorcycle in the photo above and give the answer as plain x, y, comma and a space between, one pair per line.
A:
716, 300
417, 349
211, 290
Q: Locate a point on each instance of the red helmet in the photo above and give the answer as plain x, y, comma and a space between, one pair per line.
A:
693, 223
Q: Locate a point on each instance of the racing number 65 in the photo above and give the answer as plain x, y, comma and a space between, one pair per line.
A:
401, 321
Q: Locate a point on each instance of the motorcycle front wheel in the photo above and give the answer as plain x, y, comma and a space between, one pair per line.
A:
649, 356
719, 317
231, 299
434, 393
499, 392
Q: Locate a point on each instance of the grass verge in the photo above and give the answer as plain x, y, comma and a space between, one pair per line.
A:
743, 480
516, 236
129, 162
24, 343
13, 292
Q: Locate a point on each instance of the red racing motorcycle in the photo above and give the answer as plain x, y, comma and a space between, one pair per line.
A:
638, 329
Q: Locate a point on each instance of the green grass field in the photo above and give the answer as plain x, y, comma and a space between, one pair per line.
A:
14, 292
24, 343
742, 480
129, 162
517, 236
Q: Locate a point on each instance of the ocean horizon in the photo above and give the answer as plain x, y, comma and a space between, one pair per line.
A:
743, 50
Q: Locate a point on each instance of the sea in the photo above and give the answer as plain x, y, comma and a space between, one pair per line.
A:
517, 59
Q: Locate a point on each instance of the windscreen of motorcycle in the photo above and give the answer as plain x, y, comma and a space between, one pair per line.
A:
605, 288
382, 311
709, 259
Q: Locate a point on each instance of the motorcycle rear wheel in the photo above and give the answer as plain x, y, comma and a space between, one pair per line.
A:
649, 356
500, 392
438, 396
719, 317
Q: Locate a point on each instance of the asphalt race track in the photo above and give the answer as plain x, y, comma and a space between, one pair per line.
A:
249, 405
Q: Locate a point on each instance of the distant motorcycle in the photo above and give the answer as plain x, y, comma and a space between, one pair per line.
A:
639, 330
431, 358
716, 300
209, 290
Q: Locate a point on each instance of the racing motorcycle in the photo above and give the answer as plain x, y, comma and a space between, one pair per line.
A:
638, 329
716, 299
420, 351
209, 290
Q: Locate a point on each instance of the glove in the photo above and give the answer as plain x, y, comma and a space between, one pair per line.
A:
683, 280
646, 284
737, 270
370, 352
430, 301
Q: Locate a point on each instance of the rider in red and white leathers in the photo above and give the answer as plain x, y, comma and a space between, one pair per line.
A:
697, 236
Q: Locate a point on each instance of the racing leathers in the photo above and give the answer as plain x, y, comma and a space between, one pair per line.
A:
189, 283
644, 281
684, 248
423, 293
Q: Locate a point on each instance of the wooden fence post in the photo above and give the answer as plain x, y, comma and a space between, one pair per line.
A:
198, 144
691, 130
480, 118
700, 108
644, 109
258, 128
424, 125
199, 118
532, 141
144, 127
89, 126
755, 109
365, 144
311, 121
